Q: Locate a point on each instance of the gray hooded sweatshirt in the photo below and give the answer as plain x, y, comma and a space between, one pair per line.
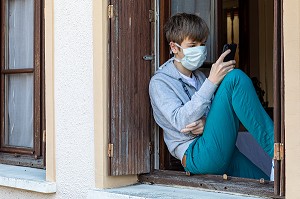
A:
172, 107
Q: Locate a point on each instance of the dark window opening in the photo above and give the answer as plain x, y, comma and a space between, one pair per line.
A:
249, 24
233, 23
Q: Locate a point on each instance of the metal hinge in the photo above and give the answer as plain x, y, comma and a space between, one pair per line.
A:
110, 11
278, 151
44, 135
151, 16
110, 150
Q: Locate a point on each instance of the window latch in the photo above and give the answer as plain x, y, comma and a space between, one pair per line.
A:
148, 57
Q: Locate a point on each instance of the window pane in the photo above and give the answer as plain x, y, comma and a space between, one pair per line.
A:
19, 34
204, 9
19, 110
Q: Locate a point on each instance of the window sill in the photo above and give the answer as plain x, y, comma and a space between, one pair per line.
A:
144, 191
213, 182
26, 178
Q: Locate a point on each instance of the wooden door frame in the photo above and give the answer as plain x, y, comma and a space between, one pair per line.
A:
278, 75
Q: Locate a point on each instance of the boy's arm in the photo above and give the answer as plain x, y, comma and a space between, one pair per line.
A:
170, 106
196, 127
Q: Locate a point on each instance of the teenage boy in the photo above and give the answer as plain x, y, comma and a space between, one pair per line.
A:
200, 116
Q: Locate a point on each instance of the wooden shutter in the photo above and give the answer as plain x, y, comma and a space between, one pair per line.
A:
130, 113
279, 174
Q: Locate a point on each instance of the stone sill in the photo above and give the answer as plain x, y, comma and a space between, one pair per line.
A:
143, 191
25, 178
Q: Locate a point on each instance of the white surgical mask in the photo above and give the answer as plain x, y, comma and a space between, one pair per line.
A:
193, 57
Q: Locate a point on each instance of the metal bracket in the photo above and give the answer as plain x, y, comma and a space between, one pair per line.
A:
151, 16
278, 151
44, 135
110, 11
110, 151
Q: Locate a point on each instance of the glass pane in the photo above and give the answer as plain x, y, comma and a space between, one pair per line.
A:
19, 34
202, 8
19, 110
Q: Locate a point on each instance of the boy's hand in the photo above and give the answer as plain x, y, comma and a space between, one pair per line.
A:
196, 127
220, 69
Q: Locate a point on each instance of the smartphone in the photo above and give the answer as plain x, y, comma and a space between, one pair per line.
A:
231, 55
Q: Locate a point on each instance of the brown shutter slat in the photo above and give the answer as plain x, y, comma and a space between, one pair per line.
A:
130, 124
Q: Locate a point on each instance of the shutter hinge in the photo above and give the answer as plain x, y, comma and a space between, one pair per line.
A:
278, 151
110, 150
151, 16
44, 136
110, 11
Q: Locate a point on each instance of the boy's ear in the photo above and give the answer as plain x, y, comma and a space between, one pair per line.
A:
174, 48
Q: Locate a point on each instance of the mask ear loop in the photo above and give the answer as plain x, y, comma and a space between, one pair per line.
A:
171, 52
178, 45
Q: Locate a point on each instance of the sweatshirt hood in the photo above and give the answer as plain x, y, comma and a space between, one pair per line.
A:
169, 69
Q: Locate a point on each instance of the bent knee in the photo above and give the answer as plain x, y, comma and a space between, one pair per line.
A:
236, 75
236, 72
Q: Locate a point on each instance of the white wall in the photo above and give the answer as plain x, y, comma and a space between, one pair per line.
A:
73, 88
73, 53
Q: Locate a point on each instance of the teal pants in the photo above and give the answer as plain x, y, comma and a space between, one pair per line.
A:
215, 151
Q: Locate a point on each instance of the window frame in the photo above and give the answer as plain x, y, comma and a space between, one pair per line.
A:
238, 185
34, 156
210, 181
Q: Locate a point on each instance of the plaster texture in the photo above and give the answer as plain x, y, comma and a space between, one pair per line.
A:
73, 97
74, 121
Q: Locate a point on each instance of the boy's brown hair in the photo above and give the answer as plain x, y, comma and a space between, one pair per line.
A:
183, 25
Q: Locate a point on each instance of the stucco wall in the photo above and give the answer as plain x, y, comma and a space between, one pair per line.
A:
74, 116
73, 89
73, 52
291, 26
